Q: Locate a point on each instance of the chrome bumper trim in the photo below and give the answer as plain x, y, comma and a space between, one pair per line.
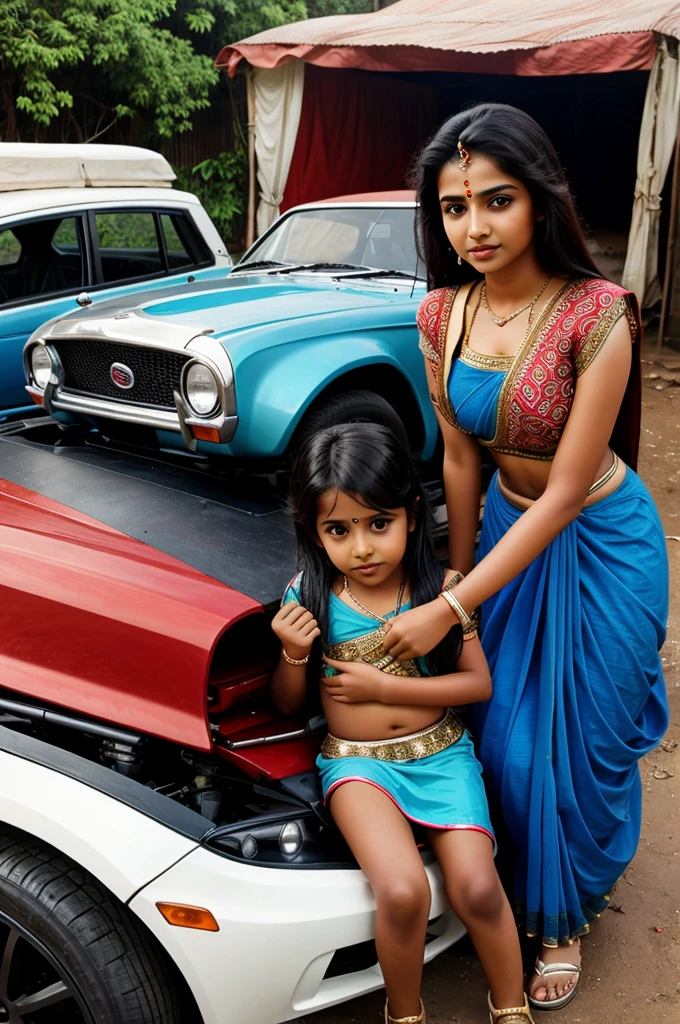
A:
199, 349
142, 415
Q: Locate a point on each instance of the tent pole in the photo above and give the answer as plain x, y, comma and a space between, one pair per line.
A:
670, 244
250, 224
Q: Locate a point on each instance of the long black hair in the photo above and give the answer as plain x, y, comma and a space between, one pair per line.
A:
368, 462
520, 147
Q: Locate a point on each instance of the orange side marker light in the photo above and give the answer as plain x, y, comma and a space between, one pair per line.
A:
206, 434
182, 916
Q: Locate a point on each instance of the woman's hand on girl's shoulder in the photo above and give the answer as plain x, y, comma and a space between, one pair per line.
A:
296, 628
355, 682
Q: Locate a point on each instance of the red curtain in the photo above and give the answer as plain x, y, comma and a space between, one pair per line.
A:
358, 133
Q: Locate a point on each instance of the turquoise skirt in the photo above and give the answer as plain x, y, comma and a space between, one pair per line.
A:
578, 698
444, 790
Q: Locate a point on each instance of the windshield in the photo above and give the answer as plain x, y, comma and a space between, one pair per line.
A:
377, 237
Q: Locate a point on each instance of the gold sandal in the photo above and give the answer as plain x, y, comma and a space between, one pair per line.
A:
419, 1018
513, 1015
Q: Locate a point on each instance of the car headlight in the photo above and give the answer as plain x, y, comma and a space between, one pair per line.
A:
201, 389
41, 366
301, 840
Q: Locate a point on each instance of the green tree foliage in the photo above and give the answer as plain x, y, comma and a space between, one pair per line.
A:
220, 184
51, 51
145, 59
236, 19
326, 8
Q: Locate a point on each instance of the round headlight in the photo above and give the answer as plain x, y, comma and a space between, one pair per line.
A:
41, 366
202, 391
290, 838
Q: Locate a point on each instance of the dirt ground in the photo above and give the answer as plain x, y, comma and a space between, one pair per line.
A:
631, 963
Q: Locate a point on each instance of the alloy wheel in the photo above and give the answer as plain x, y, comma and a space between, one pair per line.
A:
34, 987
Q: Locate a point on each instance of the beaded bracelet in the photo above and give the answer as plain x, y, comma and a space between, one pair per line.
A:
294, 661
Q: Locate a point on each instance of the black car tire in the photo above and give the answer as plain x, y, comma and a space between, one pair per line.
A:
73, 932
352, 407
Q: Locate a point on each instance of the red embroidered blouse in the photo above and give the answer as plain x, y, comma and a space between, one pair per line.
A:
537, 392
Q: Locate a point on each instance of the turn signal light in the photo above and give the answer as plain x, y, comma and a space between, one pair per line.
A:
206, 434
38, 399
182, 916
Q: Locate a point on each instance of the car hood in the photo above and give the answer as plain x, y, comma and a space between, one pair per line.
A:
130, 590
252, 304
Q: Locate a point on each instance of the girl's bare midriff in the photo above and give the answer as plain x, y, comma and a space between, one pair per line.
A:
374, 721
528, 478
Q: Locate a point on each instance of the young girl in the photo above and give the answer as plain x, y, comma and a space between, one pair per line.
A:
394, 753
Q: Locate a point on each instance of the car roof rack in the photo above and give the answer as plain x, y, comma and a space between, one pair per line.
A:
29, 165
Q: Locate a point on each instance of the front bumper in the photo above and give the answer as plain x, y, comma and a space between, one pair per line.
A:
58, 397
279, 931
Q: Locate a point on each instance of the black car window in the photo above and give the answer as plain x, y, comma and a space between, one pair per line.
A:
128, 245
41, 257
177, 253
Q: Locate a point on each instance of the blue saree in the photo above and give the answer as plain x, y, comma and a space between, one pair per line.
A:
578, 699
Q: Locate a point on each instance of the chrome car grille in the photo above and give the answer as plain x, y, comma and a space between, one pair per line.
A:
87, 370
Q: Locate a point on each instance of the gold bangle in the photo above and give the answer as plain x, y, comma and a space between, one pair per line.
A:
294, 661
470, 635
457, 608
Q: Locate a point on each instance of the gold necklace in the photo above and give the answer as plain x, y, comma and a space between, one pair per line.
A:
501, 321
380, 618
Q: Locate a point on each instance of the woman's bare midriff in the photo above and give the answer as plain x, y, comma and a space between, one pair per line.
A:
376, 721
528, 478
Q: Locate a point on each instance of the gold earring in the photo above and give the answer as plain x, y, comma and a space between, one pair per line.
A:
460, 261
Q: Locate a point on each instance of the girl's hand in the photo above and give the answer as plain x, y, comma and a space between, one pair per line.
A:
296, 628
355, 683
414, 633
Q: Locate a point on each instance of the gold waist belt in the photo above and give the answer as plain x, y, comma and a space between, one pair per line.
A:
444, 733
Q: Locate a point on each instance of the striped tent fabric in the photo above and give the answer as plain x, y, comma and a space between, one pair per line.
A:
424, 34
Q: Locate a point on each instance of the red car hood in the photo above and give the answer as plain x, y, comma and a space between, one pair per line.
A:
98, 622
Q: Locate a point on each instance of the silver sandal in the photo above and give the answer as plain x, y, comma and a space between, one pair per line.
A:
544, 971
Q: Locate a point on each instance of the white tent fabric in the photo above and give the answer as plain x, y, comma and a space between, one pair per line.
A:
278, 103
655, 149
25, 165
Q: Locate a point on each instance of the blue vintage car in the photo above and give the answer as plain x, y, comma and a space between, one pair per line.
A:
315, 326
80, 223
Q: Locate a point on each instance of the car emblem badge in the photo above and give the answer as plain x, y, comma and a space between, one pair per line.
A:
122, 376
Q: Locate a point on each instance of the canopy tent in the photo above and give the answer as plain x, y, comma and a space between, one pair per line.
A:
297, 106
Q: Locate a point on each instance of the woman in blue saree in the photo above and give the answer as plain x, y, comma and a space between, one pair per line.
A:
531, 354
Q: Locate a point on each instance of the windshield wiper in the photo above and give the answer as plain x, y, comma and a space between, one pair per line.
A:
378, 273
321, 266
257, 265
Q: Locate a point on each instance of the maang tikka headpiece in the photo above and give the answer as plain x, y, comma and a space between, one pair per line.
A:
464, 164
